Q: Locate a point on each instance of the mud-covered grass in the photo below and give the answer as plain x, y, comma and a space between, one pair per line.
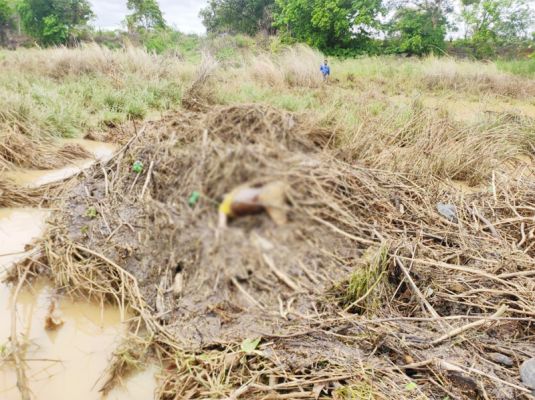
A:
12, 196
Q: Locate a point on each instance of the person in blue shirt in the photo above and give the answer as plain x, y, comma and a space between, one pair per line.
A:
325, 70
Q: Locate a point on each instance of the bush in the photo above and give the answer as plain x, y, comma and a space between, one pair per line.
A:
161, 41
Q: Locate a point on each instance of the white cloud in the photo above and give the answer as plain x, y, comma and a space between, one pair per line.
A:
181, 14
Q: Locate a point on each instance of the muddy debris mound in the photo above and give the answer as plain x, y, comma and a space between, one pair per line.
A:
367, 291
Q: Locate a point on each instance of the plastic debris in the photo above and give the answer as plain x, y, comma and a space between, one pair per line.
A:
449, 211
137, 167
194, 198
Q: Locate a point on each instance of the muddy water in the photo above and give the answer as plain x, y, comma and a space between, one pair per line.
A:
36, 178
101, 151
68, 363
18, 227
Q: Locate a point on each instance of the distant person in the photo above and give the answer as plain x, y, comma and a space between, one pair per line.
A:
325, 70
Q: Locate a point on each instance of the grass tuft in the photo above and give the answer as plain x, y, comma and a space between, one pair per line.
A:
360, 391
361, 291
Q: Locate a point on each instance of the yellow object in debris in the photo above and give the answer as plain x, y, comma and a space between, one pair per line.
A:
226, 206
245, 200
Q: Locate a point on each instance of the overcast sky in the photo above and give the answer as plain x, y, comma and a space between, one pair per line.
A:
183, 14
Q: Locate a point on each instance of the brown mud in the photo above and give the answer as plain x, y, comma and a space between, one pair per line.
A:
367, 291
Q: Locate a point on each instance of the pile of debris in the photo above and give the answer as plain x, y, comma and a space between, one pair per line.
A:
363, 290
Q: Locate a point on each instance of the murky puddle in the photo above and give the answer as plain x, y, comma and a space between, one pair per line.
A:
68, 363
36, 178
18, 226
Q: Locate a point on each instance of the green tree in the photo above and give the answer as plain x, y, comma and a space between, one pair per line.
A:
327, 24
146, 15
6, 20
54, 22
419, 30
491, 23
238, 16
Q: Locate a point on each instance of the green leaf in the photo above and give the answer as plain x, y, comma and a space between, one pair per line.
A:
250, 345
411, 386
204, 357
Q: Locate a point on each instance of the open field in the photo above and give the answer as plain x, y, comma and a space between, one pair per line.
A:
370, 291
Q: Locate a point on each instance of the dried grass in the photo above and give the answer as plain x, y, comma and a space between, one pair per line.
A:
13, 196
425, 145
199, 94
425, 309
263, 69
475, 78
300, 65
296, 66
17, 149
60, 62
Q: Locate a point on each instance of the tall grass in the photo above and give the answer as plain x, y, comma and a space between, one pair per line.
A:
524, 68
475, 78
66, 92
296, 66
376, 107
92, 59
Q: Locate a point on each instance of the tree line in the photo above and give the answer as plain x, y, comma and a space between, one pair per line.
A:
339, 27
378, 26
55, 22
